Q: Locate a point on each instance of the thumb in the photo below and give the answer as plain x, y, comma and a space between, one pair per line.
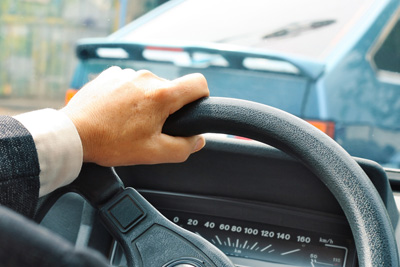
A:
178, 149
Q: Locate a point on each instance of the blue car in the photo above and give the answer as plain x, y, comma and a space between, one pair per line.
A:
335, 65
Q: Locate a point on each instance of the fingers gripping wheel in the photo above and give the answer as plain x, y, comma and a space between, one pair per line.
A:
146, 236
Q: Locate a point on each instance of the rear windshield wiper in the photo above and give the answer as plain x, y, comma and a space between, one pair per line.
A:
298, 28
293, 29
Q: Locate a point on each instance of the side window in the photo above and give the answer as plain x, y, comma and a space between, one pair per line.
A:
387, 57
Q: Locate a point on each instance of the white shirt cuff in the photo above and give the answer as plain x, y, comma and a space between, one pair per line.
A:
58, 145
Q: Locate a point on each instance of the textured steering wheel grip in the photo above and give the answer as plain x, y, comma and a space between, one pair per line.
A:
365, 211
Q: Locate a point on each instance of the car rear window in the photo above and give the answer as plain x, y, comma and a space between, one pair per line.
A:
223, 82
308, 28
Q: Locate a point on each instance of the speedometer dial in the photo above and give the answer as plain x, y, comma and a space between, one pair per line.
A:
264, 242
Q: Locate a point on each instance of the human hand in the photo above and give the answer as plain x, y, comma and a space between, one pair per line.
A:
120, 114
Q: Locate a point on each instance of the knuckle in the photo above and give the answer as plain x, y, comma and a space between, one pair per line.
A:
145, 74
114, 69
194, 81
200, 79
161, 92
109, 71
128, 70
128, 73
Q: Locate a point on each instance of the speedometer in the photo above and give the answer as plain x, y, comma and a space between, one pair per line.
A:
270, 243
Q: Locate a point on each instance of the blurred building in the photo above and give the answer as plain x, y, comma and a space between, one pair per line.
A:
37, 40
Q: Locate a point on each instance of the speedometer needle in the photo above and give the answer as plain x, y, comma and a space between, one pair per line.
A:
320, 263
290, 252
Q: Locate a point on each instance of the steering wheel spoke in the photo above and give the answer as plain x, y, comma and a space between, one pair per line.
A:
145, 235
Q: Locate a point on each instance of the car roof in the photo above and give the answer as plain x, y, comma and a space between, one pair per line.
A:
285, 26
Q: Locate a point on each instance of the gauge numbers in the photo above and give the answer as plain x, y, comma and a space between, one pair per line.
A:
266, 242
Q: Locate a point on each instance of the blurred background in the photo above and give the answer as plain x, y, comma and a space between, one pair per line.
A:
37, 45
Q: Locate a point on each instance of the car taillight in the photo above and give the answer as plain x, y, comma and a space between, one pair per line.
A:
160, 48
69, 94
327, 127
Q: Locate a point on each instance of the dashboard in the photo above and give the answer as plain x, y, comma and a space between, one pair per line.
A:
258, 205
252, 234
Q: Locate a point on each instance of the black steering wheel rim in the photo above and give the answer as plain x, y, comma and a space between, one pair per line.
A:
369, 221
370, 224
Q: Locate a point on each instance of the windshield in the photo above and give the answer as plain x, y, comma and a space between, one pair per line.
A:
251, 50
331, 63
312, 32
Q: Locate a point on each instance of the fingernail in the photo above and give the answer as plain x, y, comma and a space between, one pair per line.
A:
201, 142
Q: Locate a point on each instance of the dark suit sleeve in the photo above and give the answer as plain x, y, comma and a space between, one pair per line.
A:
19, 167
22, 242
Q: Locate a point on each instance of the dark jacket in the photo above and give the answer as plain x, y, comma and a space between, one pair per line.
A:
22, 242
19, 167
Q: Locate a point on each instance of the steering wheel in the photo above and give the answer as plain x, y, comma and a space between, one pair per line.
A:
148, 239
